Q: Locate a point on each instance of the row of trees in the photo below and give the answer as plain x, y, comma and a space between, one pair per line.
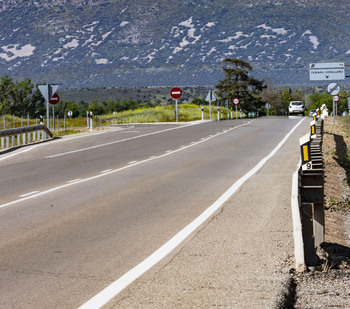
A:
22, 98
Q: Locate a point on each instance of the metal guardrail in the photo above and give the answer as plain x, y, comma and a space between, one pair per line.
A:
308, 198
24, 135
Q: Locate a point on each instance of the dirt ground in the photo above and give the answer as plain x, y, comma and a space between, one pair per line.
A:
337, 190
329, 286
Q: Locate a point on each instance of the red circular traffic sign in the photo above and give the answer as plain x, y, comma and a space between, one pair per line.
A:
235, 101
336, 98
54, 99
176, 93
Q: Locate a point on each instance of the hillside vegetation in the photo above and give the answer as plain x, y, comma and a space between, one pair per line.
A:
124, 43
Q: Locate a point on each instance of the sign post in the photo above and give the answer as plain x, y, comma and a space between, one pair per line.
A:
53, 101
236, 102
176, 93
333, 89
210, 97
47, 92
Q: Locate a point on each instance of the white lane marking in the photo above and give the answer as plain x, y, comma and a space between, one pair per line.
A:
16, 153
74, 180
120, 284
132, 162
28, 194
58, 141
130, 132
77, 181
106, 171
114, 142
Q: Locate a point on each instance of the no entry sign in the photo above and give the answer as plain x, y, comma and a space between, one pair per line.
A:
54, 99
176, 93
235, 101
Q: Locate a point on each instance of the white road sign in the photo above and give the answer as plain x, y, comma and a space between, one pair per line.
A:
211, 96
327, 74
333, 89
327, 65
48, 91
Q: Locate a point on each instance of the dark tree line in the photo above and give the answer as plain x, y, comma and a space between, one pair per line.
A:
23, 98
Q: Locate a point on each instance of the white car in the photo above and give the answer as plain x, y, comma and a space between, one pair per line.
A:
296, 107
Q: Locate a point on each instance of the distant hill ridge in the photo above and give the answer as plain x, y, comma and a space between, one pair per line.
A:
111, 43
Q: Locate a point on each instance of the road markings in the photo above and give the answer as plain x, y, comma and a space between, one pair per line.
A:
120, 284
114, 142
16, 153
133, 162
74, 180
78, 181
28, 194
106, 171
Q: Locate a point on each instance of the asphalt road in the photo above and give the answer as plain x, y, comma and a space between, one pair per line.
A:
79, 212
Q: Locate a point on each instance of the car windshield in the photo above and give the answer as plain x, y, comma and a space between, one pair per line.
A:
297, 103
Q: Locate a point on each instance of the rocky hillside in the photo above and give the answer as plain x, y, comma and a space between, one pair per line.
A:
110, 43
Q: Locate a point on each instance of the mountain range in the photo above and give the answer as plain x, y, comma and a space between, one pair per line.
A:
131, 43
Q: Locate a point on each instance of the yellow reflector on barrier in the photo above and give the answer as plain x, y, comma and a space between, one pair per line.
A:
306, 153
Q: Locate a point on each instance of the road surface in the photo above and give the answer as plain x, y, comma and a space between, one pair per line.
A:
79, 212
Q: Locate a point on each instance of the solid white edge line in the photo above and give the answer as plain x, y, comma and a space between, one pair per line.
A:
120, 284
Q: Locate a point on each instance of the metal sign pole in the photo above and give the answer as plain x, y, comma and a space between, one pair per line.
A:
53, 117
176, 110
47, 114
210, 109
333, 110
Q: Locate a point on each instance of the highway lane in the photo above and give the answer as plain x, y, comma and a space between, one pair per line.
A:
60, 248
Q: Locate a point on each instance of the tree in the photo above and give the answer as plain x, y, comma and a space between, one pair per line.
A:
271, 95
238, 83
37, 106
6, 84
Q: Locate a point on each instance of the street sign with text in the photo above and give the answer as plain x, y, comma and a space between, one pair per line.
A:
327, 74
